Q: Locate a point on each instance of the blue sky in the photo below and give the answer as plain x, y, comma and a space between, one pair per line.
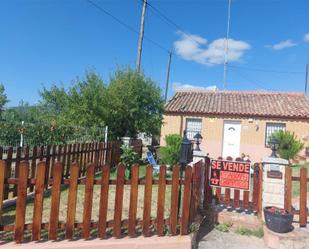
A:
54, 41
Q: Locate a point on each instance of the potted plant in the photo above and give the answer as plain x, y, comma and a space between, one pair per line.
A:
278, 219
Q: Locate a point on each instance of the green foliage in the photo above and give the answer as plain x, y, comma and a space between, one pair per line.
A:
224, 227
3, 97
250, 232
135, 104
130, 103
289, 145
128, 158
170, 154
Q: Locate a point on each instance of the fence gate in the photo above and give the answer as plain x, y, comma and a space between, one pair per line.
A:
241, 200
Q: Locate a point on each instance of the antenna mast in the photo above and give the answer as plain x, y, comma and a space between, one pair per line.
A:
227, 44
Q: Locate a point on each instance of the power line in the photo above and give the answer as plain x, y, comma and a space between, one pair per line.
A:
253, 82
265, 70
126, 25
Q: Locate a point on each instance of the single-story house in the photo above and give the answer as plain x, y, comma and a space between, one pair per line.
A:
233, 123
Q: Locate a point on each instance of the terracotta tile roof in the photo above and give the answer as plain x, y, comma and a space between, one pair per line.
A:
244, 103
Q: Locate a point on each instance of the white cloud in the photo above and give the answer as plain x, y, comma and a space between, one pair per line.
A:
306, 37
177, 86
196, 48
283, 45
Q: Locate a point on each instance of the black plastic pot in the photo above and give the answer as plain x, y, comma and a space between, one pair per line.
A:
279, 223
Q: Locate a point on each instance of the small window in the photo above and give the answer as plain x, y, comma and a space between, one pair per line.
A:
272, 128
193, 126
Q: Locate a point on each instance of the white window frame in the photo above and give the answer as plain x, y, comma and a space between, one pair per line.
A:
192, 131
272, 127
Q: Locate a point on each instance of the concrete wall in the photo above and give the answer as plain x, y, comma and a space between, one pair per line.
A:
252, 141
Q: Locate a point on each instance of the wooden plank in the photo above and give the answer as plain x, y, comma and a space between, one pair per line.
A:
59, 152
48, 164
118, 200
55, 201
147, 201
88, 200
255, 194
64, 160
2, 176
174, 200
38, 201
161, 200
186, 202
236, 198
33, 165
104, 201
288, 189
72, 195
260, 191
21, 201
17, 162
8, 171
218, 196
303, 198
246, 200
69, 158
227, 197
207, 187
80, 161
133, 200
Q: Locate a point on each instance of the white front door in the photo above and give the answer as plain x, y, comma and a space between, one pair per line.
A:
231, 139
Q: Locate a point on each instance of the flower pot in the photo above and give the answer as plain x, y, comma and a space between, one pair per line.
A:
278, 220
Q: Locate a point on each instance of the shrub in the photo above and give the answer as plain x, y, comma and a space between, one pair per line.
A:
170, 154
224, 227
289, 145
128, 158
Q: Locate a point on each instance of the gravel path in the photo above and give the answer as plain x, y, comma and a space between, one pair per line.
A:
219, 240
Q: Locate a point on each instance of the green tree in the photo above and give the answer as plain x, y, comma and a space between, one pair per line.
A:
289, 145
135, 104
170, 153
3, 97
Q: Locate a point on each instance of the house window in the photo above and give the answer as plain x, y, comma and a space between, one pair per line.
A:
193, 126
272, 128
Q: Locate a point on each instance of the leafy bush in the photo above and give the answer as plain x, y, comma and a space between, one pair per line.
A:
170, 154
289, 145
128, 158
224, 227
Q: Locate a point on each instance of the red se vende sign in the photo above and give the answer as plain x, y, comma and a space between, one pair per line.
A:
230, 174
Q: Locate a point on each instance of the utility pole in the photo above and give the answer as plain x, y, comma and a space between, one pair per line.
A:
168, 74
227, 45
306, 78
141, 37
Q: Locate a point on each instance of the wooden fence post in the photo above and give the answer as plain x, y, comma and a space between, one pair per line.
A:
38, 200
118, 200
2, 177
186, 201
207, 188
55, 201
174, 200
104, 200
74, 173
133, 200
21, 201
303, 198
161, 200
288, 189
8, 171
147, 201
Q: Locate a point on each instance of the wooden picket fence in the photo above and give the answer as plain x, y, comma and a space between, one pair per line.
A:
302, 211
83, 153
250, 201
178, 221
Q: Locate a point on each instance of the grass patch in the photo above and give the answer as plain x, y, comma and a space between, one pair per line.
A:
224, 227
250, 232
295, 184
